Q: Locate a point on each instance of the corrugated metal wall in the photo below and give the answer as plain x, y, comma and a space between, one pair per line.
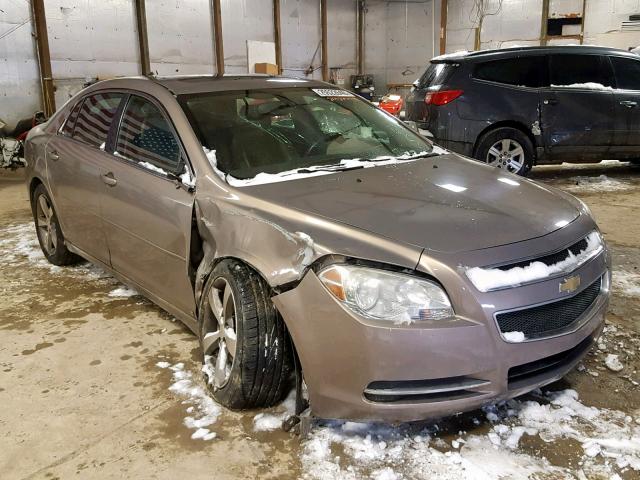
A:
19, 78
519, 22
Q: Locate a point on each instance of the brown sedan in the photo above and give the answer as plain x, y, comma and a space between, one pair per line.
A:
296, 229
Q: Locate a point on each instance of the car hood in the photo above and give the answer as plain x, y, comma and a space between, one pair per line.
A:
445, 203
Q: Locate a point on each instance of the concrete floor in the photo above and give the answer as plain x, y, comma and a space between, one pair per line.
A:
81, 395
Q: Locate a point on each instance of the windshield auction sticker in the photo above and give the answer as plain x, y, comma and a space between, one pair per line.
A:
330, 92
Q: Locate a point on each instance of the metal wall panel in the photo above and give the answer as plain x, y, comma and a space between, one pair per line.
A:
180, 37
399, 40
517, 22
300, 25
342, 37
244, 20
19, 78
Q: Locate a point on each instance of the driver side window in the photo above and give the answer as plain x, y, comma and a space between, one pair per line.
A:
146, 137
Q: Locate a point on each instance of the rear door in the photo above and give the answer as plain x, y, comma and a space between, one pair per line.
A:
147, 214
74, 162
578, 111
626, 141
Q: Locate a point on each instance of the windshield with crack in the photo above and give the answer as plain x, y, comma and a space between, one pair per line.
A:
277, 130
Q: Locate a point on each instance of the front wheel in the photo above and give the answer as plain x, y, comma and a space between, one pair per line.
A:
246, 350
507, 148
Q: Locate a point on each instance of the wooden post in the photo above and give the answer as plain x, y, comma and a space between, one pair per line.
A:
444, 8
543, 25
143, 39
276, 35
360, 34
44, 57
217, 35
325, 48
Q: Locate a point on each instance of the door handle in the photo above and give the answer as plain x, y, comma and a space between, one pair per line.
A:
109, 179
53, 155
550, 101
629, 103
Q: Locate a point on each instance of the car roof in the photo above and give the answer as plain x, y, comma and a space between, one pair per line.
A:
460, 57
181, 85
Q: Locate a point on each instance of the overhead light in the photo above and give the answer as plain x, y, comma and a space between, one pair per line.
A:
562, 223
286, 80
452, 187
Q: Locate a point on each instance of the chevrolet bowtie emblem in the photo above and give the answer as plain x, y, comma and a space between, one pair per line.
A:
570, 284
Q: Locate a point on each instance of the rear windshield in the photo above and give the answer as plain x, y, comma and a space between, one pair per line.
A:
436, 74
276, 130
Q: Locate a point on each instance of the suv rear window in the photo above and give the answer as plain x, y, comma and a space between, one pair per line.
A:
520, 71
575, 70
436, 74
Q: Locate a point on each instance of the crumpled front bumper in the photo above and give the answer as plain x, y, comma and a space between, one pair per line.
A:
462, 364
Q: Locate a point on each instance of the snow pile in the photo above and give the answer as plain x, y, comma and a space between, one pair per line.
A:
626, 283
613, 363
601, 183
203, 411
486, 279
123, 292
266, 422
315, 170
610, 443
186, 178
152, 167
514, 337
586, 85
449, 56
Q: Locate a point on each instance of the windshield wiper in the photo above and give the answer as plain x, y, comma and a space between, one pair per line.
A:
330, 168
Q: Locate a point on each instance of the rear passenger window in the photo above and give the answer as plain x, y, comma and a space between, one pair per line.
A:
627, 73
578, 70
70, 122
146, 137
520, 71
94, 118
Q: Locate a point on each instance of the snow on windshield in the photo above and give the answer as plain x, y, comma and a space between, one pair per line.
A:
486, 279
316, 170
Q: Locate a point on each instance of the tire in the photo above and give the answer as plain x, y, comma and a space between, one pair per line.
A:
258, 373
48, 230
508, 148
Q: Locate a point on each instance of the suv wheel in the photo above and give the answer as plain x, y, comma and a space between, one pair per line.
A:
246, 349
507, 148
48, 230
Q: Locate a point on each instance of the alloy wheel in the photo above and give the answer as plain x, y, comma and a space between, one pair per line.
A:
219, 341
508, 154
46, 225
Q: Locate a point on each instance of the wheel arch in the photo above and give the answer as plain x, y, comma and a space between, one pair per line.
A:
507, 123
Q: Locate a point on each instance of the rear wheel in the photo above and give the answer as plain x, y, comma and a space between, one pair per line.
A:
246, 350
506, 148
48, 230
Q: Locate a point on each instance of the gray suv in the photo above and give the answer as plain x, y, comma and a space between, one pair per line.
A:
518, 107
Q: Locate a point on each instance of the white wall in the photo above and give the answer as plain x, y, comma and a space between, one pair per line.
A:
519, 23
19, 78
399, 39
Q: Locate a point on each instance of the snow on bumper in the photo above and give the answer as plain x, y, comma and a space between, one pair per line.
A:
448, 366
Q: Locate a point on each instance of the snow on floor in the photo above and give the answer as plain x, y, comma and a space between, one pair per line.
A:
626, 283
602, 183
123, 292
610, 443
202, 411
267, 422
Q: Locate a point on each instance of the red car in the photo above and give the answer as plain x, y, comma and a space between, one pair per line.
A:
392, 103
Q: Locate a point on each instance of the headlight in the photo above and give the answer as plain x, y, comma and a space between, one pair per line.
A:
383, 295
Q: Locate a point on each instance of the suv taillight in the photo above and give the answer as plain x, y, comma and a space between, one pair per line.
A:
442, 97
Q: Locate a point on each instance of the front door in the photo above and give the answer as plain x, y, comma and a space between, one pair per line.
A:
577, 111
74, 159
147, 216
626, 142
